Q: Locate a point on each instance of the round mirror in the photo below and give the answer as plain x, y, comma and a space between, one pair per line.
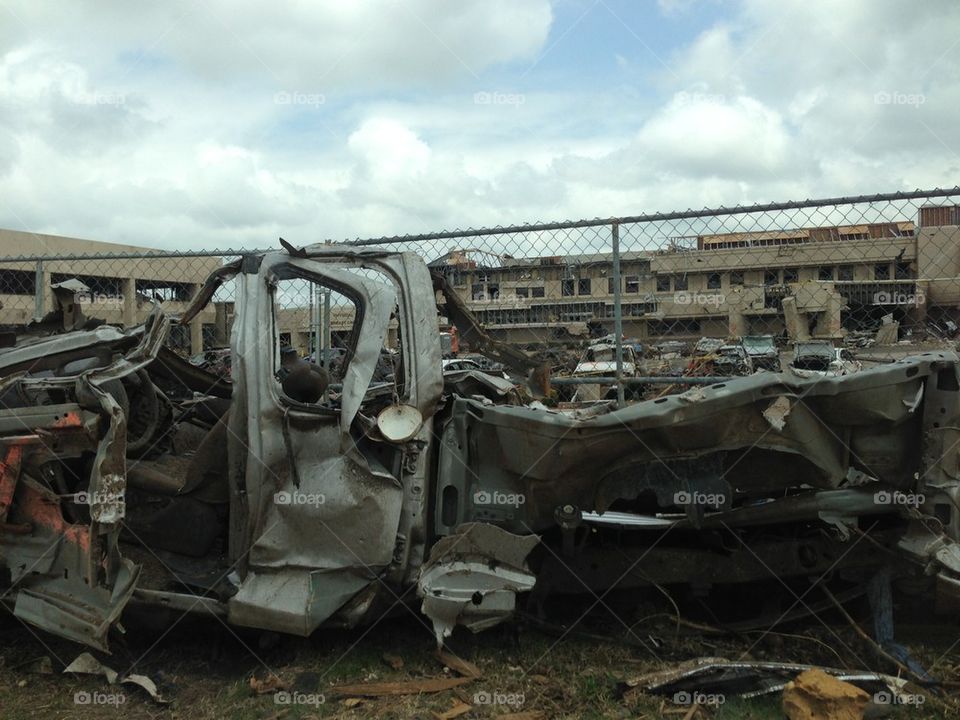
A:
399, 423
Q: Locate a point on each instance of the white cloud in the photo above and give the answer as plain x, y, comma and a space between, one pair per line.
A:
707, 135
159, 124
388, 149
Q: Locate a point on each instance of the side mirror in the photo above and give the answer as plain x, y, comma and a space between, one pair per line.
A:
398, 423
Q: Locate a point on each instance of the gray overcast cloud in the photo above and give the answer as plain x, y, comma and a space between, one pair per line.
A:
216, 124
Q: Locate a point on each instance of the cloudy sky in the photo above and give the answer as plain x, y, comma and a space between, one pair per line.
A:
222, 124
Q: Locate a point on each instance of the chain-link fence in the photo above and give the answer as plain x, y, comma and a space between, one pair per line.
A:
855, 271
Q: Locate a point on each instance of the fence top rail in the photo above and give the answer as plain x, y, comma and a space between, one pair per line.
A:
531, 227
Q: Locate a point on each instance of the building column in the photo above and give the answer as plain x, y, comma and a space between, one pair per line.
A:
129, 313
49, 302
196, 325
222, 329
795, 321
737, 322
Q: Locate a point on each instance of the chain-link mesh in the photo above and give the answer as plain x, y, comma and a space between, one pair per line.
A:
865, 271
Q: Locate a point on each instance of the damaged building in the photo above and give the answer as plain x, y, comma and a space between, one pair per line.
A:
815, 282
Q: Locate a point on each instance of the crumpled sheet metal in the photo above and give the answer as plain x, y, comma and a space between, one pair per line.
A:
869, 415
87, 664
473, 576
29, 349
70, 606
82, 591
749, 679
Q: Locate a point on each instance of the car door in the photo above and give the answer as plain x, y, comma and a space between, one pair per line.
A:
321, 515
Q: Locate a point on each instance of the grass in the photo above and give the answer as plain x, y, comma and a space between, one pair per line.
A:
205, 669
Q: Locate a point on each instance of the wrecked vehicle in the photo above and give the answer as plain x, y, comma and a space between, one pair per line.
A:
214, 360
762, 351
298, 516
819, 358
717, 357
600, 360
708, 346
733, 360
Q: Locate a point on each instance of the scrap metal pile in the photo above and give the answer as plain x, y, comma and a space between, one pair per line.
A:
292, 516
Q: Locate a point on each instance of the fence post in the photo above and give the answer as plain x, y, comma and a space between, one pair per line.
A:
617, 311
327, 336
38, 291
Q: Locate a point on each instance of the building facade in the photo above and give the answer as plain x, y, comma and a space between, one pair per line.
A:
822, 280
121, 291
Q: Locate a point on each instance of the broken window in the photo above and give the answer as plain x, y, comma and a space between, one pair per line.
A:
163, 291
881, 271
314, 337
663, 283
825, 273
179, 338
632, 284
680, 282
845, 273
611, 286
537, 292
771, 277
791, 275
713, 281
681, 326
97, 284
567, 287
17, 282
736, 277
522, 292
901, 270
583, 286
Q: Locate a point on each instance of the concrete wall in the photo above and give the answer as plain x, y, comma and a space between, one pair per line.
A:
125, 307
938, 264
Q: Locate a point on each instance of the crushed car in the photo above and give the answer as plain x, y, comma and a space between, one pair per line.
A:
763, 352
294, 515
819, 358
732, 359
600, 361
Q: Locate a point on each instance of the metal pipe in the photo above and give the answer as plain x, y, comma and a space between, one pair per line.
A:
617, 311
327, 336
146, 255
649, 380
38, 291
539, 227
659, 217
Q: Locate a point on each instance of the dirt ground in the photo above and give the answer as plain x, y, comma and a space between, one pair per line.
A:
204, 669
